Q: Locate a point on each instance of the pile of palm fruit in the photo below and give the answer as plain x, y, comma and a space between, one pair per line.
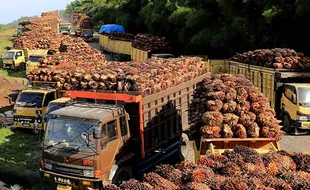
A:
229, 106
278, 58
240, 169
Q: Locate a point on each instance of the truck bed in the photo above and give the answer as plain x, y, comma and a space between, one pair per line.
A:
210, 146
115, 46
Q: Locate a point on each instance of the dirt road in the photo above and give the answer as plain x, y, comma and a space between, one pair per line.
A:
296, 143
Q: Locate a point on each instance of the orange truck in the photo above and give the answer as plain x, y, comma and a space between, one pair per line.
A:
106, 137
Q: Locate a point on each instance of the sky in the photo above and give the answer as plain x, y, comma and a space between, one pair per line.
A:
11, 10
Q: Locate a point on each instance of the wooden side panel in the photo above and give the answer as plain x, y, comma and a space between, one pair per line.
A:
218, 66
268, 86
121, 47
139, 55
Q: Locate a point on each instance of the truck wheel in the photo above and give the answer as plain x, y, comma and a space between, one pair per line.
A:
122, 174
22, 66
117, 57
287, 124
184, 149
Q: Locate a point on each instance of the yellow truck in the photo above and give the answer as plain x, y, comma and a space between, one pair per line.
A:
16, 59
288, 91
123, 50
31, 105
65, 28
33, 60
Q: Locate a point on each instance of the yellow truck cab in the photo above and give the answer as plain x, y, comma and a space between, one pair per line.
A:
295, 106
15, 59
33, 61
54, 105
31, 105
65, 28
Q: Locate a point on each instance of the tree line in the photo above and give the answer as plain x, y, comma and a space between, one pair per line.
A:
218, 28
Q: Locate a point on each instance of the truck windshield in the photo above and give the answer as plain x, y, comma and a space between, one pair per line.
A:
54, 106
30, 99
9, 55
71, 133
34, 58
304, 96
87, 31
63, 28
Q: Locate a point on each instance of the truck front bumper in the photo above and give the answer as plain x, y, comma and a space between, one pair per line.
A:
27, 125
69, 182
302, 124
8, 66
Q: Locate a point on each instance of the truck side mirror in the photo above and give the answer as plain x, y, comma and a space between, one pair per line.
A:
97, 133
294, 98
10, 100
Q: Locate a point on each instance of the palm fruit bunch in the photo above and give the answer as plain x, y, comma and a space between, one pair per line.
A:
242, 168
277, 58
229, 106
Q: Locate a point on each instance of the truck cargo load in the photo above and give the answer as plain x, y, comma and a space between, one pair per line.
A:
110, 28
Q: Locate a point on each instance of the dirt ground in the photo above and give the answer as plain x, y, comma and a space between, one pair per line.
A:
296, 143
7, 85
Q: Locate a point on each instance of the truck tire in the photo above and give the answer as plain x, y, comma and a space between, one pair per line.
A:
22, 66
184, 149
122, 174
117, 57
287, 124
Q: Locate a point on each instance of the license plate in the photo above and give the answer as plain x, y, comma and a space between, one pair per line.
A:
63, 181
306, 124
63, 187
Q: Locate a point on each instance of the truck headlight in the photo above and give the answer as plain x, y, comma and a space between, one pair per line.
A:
48, 166
38, 112
88, 173
302, 118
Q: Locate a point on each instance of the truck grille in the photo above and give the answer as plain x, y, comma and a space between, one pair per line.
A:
67, 170
27, 119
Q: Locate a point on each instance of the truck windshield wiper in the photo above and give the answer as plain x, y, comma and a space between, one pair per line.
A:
53, 145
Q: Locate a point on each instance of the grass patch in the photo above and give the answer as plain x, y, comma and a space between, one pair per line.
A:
9, 73
6, 36
19, 150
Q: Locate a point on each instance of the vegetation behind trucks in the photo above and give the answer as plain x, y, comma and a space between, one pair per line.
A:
287, 90
31, 104
121, 49
133, 133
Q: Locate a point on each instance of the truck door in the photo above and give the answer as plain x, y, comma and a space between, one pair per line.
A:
289, 101
110, 145
19, 58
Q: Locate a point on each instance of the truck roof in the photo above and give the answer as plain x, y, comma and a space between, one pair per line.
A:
38, 52
38, 90
298, 84
61, 100
90, 111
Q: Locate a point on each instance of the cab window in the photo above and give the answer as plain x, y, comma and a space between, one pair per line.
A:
18, 54
123, 125
48, 98
289, 91
112, 130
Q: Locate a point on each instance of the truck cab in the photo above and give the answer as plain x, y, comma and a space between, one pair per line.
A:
30, 107
15, 59
33, 60
87, 34
162, 55
19, 30
85, 146
65, 28
295, 106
